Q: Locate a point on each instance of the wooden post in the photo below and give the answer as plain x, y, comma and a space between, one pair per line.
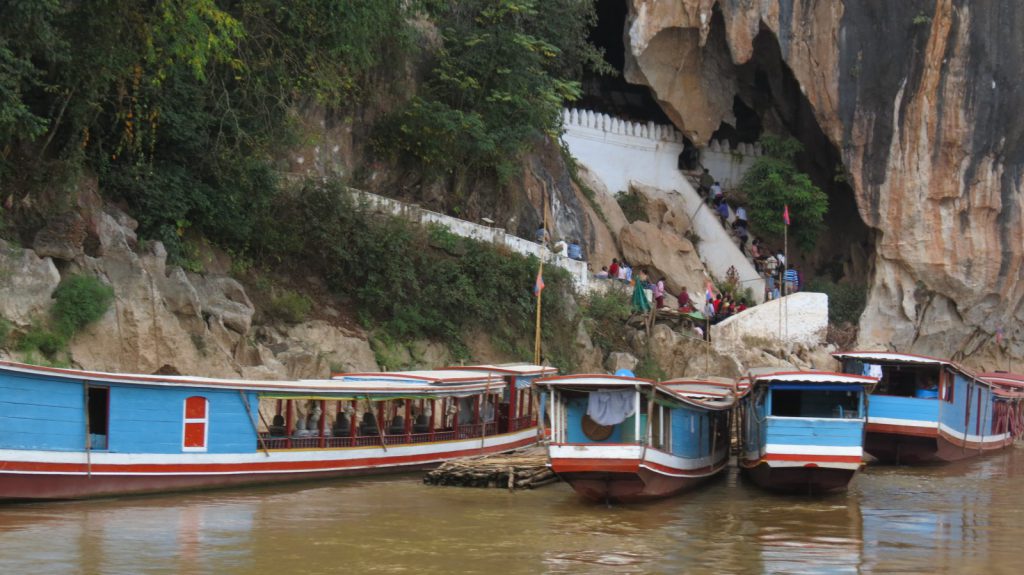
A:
513, 403
408, 421
353, 429
476, 414
323, 422
289, 419
636, 410
255, 426
433, 414
88, 435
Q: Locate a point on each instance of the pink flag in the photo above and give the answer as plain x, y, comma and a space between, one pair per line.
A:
785, 214
539, 285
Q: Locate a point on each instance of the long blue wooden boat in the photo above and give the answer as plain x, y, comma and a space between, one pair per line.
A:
67, 434
930, 410
618, 438
802, 431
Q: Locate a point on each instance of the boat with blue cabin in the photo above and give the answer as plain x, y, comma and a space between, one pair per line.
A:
67, 433
802, 431
930, 410
623, 438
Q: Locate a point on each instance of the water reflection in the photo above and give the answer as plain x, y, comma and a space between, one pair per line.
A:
958, 518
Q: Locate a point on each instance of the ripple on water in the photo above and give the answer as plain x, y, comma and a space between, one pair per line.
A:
961, 518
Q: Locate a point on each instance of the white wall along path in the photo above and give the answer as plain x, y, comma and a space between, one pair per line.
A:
619, 152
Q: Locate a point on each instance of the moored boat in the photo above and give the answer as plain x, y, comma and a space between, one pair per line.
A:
930, 410
67, 434
802, 431
622, 438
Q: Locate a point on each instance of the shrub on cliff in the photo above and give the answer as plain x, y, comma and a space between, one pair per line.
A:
80, 300
415, 282
774, 182
289, 306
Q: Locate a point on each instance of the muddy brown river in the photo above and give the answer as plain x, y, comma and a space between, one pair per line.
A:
965, 518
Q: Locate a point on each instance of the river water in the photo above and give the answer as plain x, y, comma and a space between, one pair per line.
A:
964, 518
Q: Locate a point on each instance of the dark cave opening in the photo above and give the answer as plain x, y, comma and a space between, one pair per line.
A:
610, 93
769, 100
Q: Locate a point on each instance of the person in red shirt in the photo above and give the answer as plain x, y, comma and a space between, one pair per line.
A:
613, 270
684, 300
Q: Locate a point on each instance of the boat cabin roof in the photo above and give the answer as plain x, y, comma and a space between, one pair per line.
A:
431, 377
892, 357
759, 375
1004, 384
394, 384
593, 380
521, 369
712, 393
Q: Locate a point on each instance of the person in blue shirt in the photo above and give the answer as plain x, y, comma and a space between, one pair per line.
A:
575, 251
792, 278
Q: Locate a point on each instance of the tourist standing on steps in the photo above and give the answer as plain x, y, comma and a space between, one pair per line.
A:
741, 215
659, 293
705, 183
723, 211
613, 270
716, 190
684, 300
771, 265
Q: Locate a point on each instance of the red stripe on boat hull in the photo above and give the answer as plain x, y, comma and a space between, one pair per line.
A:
901, 449
28, 481
624, 480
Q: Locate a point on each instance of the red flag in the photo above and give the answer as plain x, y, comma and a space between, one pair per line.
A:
785, 214
539, 284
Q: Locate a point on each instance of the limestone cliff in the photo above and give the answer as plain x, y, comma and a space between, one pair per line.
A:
920, 99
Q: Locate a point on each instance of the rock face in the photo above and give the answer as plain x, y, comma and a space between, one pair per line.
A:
921, 101
663, 254
27, 282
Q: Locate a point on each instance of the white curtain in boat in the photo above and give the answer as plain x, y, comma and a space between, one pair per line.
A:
610, 407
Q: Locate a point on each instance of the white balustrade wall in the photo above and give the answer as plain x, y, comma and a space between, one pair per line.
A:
619, 152
577, 269
728, 165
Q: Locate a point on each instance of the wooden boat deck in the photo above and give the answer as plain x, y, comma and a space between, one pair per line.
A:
525, 468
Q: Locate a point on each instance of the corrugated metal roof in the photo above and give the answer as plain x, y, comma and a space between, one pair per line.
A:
890, 357
815, 377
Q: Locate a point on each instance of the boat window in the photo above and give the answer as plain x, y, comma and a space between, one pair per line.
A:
99, 416
815, 403
194, 430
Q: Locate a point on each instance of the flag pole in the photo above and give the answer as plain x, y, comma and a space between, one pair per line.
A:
538, 286
785, 268
536, 336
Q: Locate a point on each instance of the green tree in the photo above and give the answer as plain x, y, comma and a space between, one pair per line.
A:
503, 72
774, 182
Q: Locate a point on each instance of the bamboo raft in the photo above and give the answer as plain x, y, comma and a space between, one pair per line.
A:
521, 469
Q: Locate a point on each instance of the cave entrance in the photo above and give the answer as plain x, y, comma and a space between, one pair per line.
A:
611, 94
768, 99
